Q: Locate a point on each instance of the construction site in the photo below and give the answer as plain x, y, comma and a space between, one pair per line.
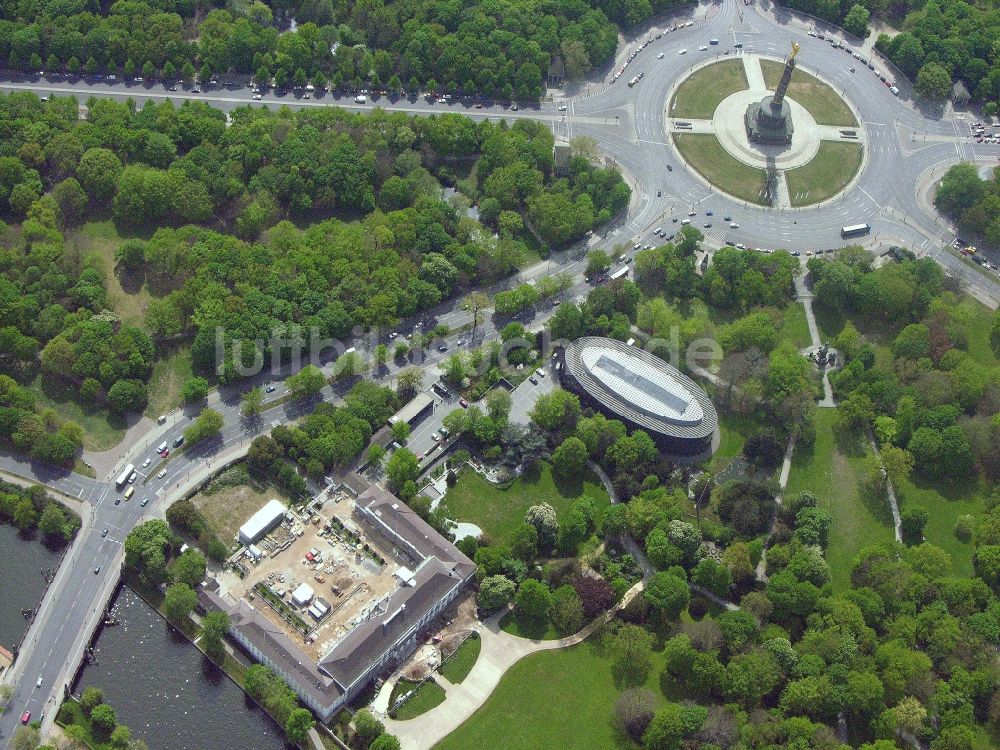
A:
316, 575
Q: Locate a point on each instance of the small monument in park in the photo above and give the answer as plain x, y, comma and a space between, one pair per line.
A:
769, 121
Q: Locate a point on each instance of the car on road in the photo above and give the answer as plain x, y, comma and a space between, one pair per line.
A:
26, 717
257, 97
796, 253
39, 683
692, 213
435, 437
144, 502
147, 462
685, 221
118, 501
659, 193
659, 56
196, 90
703, 47
540, 372
271, 389
104, 533
734, 225
669, 168
682, 51
708, 212
562, 107
97, 570
178, 441
532, 380
172, 88
708, 225
513, 107
163, 473
726, 218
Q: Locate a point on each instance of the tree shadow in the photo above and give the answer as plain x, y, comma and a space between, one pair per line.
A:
568, 486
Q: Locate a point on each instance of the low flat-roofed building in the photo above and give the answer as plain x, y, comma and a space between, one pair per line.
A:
302, 595
262, 522
415, 409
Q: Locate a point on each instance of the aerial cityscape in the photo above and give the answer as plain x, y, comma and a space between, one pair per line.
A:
384, 375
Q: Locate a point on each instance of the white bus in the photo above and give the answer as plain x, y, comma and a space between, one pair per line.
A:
124, 476
621, 273
855, 230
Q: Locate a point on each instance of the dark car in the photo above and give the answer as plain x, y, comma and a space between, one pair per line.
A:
270, 389
178, 441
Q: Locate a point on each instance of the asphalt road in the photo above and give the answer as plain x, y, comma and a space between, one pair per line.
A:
906, 150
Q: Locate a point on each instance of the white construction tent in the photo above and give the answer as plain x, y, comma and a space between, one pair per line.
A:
262, 522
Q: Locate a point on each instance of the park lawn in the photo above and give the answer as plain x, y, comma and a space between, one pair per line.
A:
977, 328
794, 327
707, 156
522, 627
499, 512
834, 473
824, 104
562, 698
426, 697
169, 376
945, 501
102, 429
700, 94
460, 663
127, 295
834, 165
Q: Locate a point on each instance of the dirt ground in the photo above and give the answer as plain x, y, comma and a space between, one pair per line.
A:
228, 508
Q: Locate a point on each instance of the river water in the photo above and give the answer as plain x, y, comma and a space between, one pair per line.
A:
167, 692
22, 584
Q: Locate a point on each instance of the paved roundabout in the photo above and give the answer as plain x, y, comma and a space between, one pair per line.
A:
773, 168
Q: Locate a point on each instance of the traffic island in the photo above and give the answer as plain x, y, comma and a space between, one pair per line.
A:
704, 153
699, 95
757, 138
833, 167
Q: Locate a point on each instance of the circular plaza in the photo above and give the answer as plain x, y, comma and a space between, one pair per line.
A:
764, 131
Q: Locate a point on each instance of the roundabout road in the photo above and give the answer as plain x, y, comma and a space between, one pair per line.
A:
902, 145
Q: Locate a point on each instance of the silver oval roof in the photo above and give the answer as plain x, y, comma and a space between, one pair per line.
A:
641, 387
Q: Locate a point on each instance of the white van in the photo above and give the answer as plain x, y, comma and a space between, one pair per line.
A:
161, 447
360, 99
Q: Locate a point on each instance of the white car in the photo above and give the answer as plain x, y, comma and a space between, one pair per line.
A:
256, 97
703, 47
659, 56
562, 107
734, 225
163, 473
682, 51
146, 462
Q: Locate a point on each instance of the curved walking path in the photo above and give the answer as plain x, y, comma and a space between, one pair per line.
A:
499, 652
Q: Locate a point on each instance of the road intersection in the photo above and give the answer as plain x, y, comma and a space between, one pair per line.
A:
906, 153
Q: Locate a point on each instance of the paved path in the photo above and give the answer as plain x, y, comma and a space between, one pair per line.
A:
890, 492
805, 296
500, 651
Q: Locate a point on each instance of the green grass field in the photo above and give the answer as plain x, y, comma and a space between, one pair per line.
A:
426, 697
700, 94
833, 472
834, 165
128, 296
794, 327
498, 512
169, 374
824, 104
524, 628
559, 699
706, 155
946, 500
460, 663
101, 429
